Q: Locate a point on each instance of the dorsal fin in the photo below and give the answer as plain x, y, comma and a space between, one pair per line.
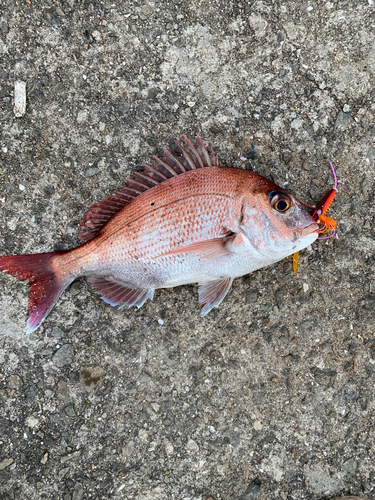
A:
163, 168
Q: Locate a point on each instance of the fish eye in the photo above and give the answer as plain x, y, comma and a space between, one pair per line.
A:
280, 202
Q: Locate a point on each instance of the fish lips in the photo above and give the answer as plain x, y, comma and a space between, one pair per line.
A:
310, 230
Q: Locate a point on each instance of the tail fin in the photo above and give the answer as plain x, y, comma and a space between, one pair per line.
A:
45, 286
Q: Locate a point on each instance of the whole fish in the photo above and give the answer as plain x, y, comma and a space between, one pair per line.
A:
183, 220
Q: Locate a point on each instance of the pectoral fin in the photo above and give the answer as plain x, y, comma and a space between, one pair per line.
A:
217, 247
205, 249
212, 293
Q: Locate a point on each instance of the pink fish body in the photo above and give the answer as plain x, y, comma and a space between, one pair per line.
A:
184, 220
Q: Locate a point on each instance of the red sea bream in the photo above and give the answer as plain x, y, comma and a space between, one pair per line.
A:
183, 220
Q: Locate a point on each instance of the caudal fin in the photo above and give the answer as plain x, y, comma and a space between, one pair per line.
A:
45, 286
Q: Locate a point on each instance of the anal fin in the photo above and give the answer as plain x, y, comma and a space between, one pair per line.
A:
212, 293
117, 294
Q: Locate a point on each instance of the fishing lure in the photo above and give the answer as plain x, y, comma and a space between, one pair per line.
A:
326, 224
319, 214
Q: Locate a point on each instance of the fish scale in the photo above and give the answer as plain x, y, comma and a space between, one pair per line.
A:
183, 220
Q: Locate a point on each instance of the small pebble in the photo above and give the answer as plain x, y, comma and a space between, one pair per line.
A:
32, 422
64, 356
49, 190
19, 98
5, 463
143, 435
58, 333
15, 382
91, 171
128, 449
343, 120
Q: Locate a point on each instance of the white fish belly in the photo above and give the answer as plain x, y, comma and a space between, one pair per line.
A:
179, 269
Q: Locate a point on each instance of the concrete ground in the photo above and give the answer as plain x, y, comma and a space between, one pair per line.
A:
271, 396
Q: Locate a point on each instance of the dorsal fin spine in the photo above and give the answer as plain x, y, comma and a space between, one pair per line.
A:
187, 157
124, 196
146, 178
175, 160
214, 158
195, 154
203, 151
130, 191
156, 172
137, 185
161, 163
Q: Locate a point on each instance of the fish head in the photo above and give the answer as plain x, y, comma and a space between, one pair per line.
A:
275, 221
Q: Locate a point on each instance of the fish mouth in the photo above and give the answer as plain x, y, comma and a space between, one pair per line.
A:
306, 231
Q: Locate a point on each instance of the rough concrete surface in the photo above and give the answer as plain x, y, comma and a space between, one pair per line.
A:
271, 396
